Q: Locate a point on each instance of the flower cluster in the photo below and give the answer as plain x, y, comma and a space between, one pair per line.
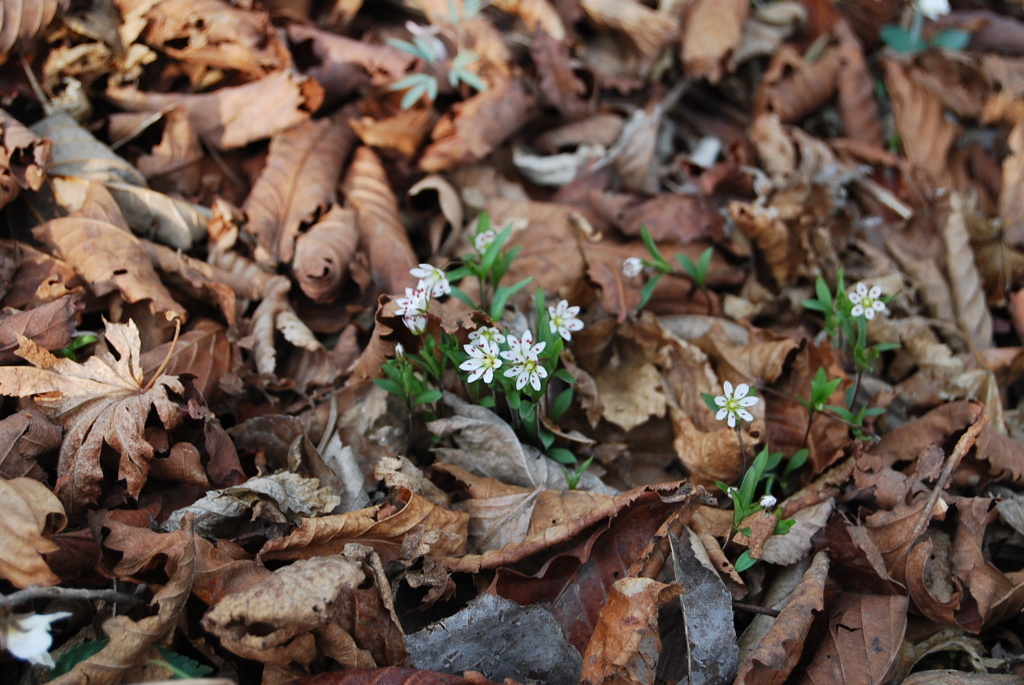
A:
413, 307
867, 302
27, 636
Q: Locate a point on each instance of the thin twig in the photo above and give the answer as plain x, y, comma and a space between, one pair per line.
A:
754, 609
92, 595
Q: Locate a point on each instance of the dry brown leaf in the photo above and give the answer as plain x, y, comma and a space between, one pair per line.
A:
273, 314
24, 436
650, 30
926, 133
234, 117
97, 243
131, 640
626, 643
969, 301
381, 232
24, 19
101, 403
779, 246
856, 101
767, 29
473, 128
406, 527
629, 388
713, 30
536, 14
793, 87
502, 514
344, 64
1011, 197
29, 514
338, 606
557, 82
863, 642
297, 183
213, 33
23, 157
323, 254
49, 325
778, 652
403, 132
173, 164
997, 596
76, 153
712, 456
203, 351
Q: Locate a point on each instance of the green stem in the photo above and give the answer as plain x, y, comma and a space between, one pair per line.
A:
743, 450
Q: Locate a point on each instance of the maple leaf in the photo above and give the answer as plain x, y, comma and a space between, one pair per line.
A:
101, 402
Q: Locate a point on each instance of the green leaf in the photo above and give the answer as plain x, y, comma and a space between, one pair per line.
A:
652, 248
414, 50
514, 400
426, 48
815, 306
77, 343
460, 295
562, 455
821, 289
502, 294
471, 8
709, 400
75, 655
564, 375
561, 404
390, 386
798, 459
901, 40
469, 78
722, 486
494, 249
547, 438
951, 39
487, 401
704, 262
688, 266
456, 275
185, 666
526, 411
744, 561
648, 290
428, 397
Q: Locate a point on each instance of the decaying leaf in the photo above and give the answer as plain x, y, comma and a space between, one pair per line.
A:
713, 30
324, 252
336, 605
101, 403
500, 639
29, 513
303, 166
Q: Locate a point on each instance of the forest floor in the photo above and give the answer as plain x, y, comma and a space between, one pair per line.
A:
550, 341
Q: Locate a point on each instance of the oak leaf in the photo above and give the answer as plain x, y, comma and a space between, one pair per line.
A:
101, 402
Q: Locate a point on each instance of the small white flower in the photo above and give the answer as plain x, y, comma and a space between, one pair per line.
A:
522, 348
866, 302
730, 491
487, 334
483, 361
767, 502
399, 350
27, 636
483, 240
933, 9
563, 319
733, 405
415, 303
525, 370
415, 323
632, 267
432, 280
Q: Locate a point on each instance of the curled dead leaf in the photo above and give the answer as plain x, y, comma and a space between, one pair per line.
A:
29, 513
713, 30
323, 254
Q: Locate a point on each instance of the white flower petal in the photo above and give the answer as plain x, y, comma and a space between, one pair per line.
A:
749, 401
722, 413
732, 420
875, 292
728, 389
869, 314
745, 415
857, 310
721, 402
741, 391
862, 289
